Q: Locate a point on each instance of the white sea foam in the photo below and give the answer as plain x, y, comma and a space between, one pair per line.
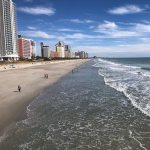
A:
136, 139
3, 137
117, 64
25, 146
131, 80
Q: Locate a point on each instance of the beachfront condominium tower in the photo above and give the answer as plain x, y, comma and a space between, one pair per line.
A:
67, 51
26, 48
45, 51
8, 33
42, 51
60, 49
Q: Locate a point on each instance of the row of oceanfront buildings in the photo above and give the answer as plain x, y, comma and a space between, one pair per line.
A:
27, 50
15, 47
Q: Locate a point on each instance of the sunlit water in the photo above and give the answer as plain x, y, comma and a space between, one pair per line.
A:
102, 106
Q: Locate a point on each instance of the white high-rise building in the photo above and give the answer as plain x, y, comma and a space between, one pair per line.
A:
60, 49
8, 31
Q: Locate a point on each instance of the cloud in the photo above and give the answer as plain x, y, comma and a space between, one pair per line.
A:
28, 0
107, 26
38, 10
124, 34
142, 27
145, 39
128, 9
81, 36
135, 49
31, 28
112, 30
91, 27
81, 21
75, 36
36, 34
68, 30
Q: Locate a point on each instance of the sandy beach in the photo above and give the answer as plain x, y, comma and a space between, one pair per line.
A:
31, 78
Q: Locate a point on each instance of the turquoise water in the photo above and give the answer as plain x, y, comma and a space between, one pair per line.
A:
102, 106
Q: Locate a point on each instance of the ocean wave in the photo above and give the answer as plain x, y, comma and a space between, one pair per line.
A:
133, 81
144, 68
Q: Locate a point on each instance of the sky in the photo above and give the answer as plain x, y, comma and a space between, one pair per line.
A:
105, 28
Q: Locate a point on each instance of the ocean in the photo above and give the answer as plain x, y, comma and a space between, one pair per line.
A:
104, 105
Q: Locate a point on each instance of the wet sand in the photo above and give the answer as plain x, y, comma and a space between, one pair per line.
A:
13, 103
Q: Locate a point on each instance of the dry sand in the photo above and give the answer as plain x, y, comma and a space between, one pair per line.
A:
26, 65
13, 103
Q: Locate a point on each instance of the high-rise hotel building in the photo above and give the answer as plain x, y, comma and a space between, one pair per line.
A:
8, 31
26, 48
60, 49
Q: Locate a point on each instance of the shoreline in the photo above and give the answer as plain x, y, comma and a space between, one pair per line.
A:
12, 103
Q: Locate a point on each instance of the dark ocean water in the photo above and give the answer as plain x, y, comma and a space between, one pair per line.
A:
105, 105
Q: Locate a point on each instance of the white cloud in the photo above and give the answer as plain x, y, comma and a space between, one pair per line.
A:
76, 21
88, 21
142, 27
68, 30
112, 30
31, 28
107, 26
134, 48
91, 27
128, 9
124, 34
81, 21
81, 36
38, 10
29, 0
36, 34
145, 39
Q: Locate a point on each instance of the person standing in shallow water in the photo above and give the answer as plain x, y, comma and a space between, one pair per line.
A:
19, 88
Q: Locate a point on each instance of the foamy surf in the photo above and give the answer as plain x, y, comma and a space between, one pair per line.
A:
133, 81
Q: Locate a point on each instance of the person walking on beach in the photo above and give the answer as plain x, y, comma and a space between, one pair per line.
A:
46, 76
19, 88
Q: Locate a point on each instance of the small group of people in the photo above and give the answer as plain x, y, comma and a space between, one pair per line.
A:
19, 87
45, 76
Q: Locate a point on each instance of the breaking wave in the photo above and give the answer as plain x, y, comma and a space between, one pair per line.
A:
133, 81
